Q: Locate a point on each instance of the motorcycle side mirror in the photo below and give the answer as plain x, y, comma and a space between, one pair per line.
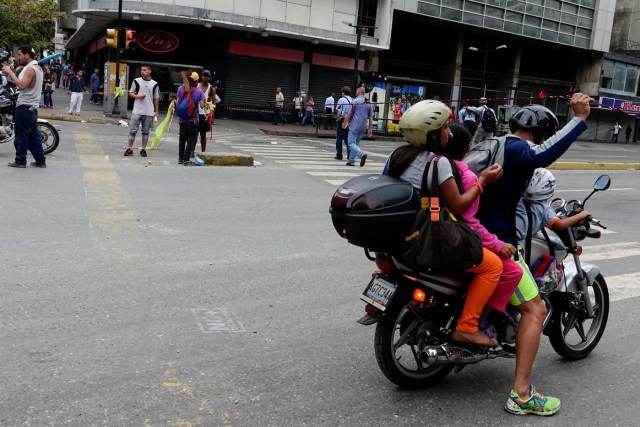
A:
602, 183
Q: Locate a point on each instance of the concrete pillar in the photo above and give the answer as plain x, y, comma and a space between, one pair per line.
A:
305, 72
512, 78
457, 73
588, 74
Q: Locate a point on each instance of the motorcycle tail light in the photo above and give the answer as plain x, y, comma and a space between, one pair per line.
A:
419, 295
371, 310
384, 264
367, 203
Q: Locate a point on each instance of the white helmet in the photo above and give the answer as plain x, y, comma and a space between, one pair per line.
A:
541, 187
421, 118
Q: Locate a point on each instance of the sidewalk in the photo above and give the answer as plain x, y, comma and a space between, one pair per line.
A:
91, 113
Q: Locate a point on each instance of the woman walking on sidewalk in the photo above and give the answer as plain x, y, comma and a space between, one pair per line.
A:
48, 86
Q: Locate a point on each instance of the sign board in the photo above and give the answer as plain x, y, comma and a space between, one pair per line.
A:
157, 41
620, 104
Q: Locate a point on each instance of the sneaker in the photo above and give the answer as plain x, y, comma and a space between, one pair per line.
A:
143, 153
338, 157
350, 164
363, 159
17, 165
489, 331
128, 152
180, 162
537, 404
39, 164
187, 163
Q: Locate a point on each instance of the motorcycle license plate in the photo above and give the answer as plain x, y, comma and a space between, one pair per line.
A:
378, 293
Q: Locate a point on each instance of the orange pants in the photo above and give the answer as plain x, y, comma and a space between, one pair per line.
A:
487, 275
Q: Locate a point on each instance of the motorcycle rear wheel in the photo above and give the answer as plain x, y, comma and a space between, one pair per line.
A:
397, 353
50, 137
573, 335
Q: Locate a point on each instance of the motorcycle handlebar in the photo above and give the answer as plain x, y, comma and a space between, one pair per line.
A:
597, 222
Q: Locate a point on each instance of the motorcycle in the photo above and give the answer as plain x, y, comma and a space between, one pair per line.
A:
8, 98
415, 312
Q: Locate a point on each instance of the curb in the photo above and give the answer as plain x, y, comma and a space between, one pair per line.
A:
293, 133
68, 118
226, 159
594, 166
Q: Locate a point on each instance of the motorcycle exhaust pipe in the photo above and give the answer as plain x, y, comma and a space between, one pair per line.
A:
452, 355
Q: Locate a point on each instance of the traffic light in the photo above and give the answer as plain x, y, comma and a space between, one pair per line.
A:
112, 37
130, 39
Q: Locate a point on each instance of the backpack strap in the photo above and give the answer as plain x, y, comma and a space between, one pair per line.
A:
552, 251
529, 237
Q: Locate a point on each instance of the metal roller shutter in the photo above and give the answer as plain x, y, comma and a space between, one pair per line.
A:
324, 80
252, 81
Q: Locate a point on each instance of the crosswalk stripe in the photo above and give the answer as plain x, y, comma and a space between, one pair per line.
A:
610, 251
336, 182
331, 163
623, 286
348, 174
368, 169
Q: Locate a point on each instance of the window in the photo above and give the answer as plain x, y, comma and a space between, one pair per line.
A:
514, 16
619, 76
512, 27
457, 4
473, 7
454, 15
429, 9
494, 12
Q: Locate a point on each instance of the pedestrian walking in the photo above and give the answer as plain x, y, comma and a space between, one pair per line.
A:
95, 87
76, 90
329, 108
627, 133
25, 117
298, 105
616, 132
308, 114
188, 122
56, 67
48, 86
342, 132
278, 104
204, 120
486, 119
146, 94
67, 73
359, 119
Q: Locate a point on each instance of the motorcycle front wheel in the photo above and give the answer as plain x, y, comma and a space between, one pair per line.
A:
50, 137
574, 335
397, 346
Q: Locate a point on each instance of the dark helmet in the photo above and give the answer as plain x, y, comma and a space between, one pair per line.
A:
542, 122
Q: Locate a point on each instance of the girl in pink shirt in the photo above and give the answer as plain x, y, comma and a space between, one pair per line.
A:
458, 145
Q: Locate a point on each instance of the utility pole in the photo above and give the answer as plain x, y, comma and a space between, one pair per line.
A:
358, 27
116, 108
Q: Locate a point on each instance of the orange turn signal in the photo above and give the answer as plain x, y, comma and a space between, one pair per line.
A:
579, 251
419, 295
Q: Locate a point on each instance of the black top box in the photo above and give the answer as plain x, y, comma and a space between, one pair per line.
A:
375, 212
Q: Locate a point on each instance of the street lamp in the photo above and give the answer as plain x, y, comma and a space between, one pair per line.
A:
486, 52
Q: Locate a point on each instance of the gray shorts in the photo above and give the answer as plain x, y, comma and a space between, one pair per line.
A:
136, 120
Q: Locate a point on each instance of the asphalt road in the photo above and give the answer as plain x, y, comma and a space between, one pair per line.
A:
138, 292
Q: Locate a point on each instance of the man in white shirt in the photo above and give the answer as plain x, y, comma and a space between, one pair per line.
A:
29, 81
146, 93
298, 107
329, 108
278, 103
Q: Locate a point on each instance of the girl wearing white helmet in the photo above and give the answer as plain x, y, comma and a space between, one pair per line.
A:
425, 127
539, 192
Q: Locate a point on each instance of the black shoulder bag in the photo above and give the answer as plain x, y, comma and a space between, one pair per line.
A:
438, 241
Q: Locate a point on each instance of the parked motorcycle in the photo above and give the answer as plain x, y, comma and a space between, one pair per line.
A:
416, 312
8, 98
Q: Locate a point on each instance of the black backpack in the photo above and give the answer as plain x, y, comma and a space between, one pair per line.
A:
488, 121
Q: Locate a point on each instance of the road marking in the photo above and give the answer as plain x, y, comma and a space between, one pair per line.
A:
217, 320
610, 251
333, 174
588, 190
623, 286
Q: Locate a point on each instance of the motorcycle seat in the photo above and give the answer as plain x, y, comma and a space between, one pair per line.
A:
456, 281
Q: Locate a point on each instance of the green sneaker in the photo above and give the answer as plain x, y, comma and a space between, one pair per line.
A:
537, 404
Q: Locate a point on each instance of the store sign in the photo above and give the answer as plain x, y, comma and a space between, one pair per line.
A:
157, 41
621, 104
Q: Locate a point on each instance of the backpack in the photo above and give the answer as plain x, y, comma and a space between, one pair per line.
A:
548, 273
185, 108
488, 121
485, 153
